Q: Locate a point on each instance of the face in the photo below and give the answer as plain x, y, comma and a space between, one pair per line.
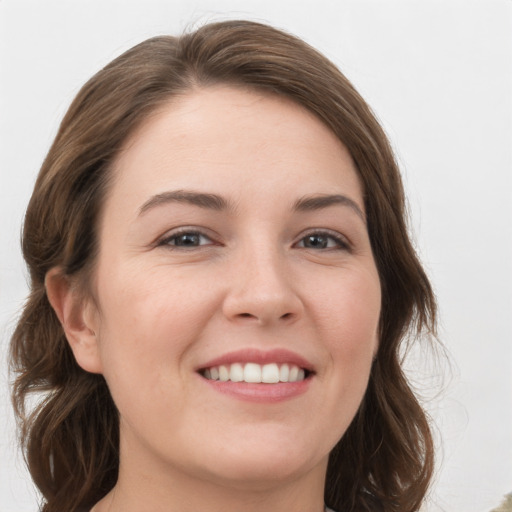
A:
234, 249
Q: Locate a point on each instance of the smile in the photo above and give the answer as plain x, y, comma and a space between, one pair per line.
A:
264, 376
271, 373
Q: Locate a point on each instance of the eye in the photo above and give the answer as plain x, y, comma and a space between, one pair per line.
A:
186, 239
322, 240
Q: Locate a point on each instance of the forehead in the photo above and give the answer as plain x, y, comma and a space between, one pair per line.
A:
227, 137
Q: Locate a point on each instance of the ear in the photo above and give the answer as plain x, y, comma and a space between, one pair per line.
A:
79, 319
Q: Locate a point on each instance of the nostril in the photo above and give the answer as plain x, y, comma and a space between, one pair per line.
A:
286, 315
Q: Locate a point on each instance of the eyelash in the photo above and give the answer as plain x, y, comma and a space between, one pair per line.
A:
184, 231
340, 243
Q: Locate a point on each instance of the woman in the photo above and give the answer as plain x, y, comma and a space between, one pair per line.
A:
221, 282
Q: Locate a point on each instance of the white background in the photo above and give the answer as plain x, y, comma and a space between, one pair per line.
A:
439, 76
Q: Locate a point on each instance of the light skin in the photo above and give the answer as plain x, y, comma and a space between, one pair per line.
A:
270, 209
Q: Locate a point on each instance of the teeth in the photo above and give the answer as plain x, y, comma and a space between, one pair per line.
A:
223, 373
252, 372
236, 374
256, 373
284, 373
270, 373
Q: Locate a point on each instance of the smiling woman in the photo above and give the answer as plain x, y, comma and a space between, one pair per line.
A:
221, 280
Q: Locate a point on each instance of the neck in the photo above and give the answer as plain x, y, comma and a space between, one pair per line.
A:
117, 500
169, 489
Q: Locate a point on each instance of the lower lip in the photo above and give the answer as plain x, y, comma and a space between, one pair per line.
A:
262, 393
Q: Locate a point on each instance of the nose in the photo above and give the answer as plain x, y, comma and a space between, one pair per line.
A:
261, 290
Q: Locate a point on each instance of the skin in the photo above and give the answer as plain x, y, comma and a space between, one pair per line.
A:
159, 311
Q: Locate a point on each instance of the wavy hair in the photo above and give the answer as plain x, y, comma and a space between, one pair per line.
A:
70, 437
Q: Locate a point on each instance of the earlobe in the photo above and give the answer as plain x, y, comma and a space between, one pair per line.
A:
78, 317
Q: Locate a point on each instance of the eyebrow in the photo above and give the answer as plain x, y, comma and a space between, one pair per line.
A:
203, 200
318, 202
218, 203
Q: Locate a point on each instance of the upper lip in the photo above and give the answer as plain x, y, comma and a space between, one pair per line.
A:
258, 356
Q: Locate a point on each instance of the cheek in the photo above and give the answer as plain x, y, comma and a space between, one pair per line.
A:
350, 309
149, 322
349, 318
147, 332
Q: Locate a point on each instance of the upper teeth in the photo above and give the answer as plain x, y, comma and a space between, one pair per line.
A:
255, 373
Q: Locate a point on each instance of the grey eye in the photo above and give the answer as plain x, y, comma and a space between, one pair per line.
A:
316, 241
321, 241
187, 239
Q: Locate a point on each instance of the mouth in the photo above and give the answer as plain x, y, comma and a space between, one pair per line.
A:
259, 376
254, 373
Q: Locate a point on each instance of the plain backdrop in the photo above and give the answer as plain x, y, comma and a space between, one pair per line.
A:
438, 75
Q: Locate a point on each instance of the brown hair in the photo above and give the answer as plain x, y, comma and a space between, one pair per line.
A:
385, 459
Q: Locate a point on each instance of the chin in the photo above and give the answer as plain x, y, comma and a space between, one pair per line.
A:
253, 464
259, 475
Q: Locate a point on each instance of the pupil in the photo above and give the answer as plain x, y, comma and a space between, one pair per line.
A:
316, 241
188, 239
